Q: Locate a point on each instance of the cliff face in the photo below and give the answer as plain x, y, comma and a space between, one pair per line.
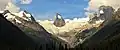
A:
59, 21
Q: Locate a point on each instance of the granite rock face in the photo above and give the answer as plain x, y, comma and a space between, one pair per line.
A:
59, 21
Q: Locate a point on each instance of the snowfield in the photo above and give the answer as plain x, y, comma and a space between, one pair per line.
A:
75, 24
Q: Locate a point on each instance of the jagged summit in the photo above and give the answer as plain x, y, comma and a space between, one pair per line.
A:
27, 15
59, 21
12, 10
11, 16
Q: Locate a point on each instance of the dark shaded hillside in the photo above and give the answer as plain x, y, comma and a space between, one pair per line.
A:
107, 37
12, 38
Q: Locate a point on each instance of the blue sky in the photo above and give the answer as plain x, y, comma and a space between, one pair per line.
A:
46, 9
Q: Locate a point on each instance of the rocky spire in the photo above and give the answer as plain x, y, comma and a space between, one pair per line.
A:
29, 15
59, 21
106, 12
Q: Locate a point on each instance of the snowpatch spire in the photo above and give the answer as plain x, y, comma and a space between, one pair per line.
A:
59, 21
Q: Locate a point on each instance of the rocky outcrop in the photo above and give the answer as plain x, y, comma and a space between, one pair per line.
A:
107, 12
59, 21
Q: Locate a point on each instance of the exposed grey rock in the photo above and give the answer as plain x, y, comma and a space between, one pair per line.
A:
107, 12
59, 21
31, 17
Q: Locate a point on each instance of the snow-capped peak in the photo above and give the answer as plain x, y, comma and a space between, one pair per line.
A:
1, 11
22, 14
59, 17
101, 12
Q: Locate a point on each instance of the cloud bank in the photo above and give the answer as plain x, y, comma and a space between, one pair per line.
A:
95, 4
3, 4
26, 1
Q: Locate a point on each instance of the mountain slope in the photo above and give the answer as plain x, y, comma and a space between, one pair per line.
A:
105, 37
13, 38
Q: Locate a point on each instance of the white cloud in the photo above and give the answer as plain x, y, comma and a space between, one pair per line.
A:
3, 4
12, 7
26, 1
94, 4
